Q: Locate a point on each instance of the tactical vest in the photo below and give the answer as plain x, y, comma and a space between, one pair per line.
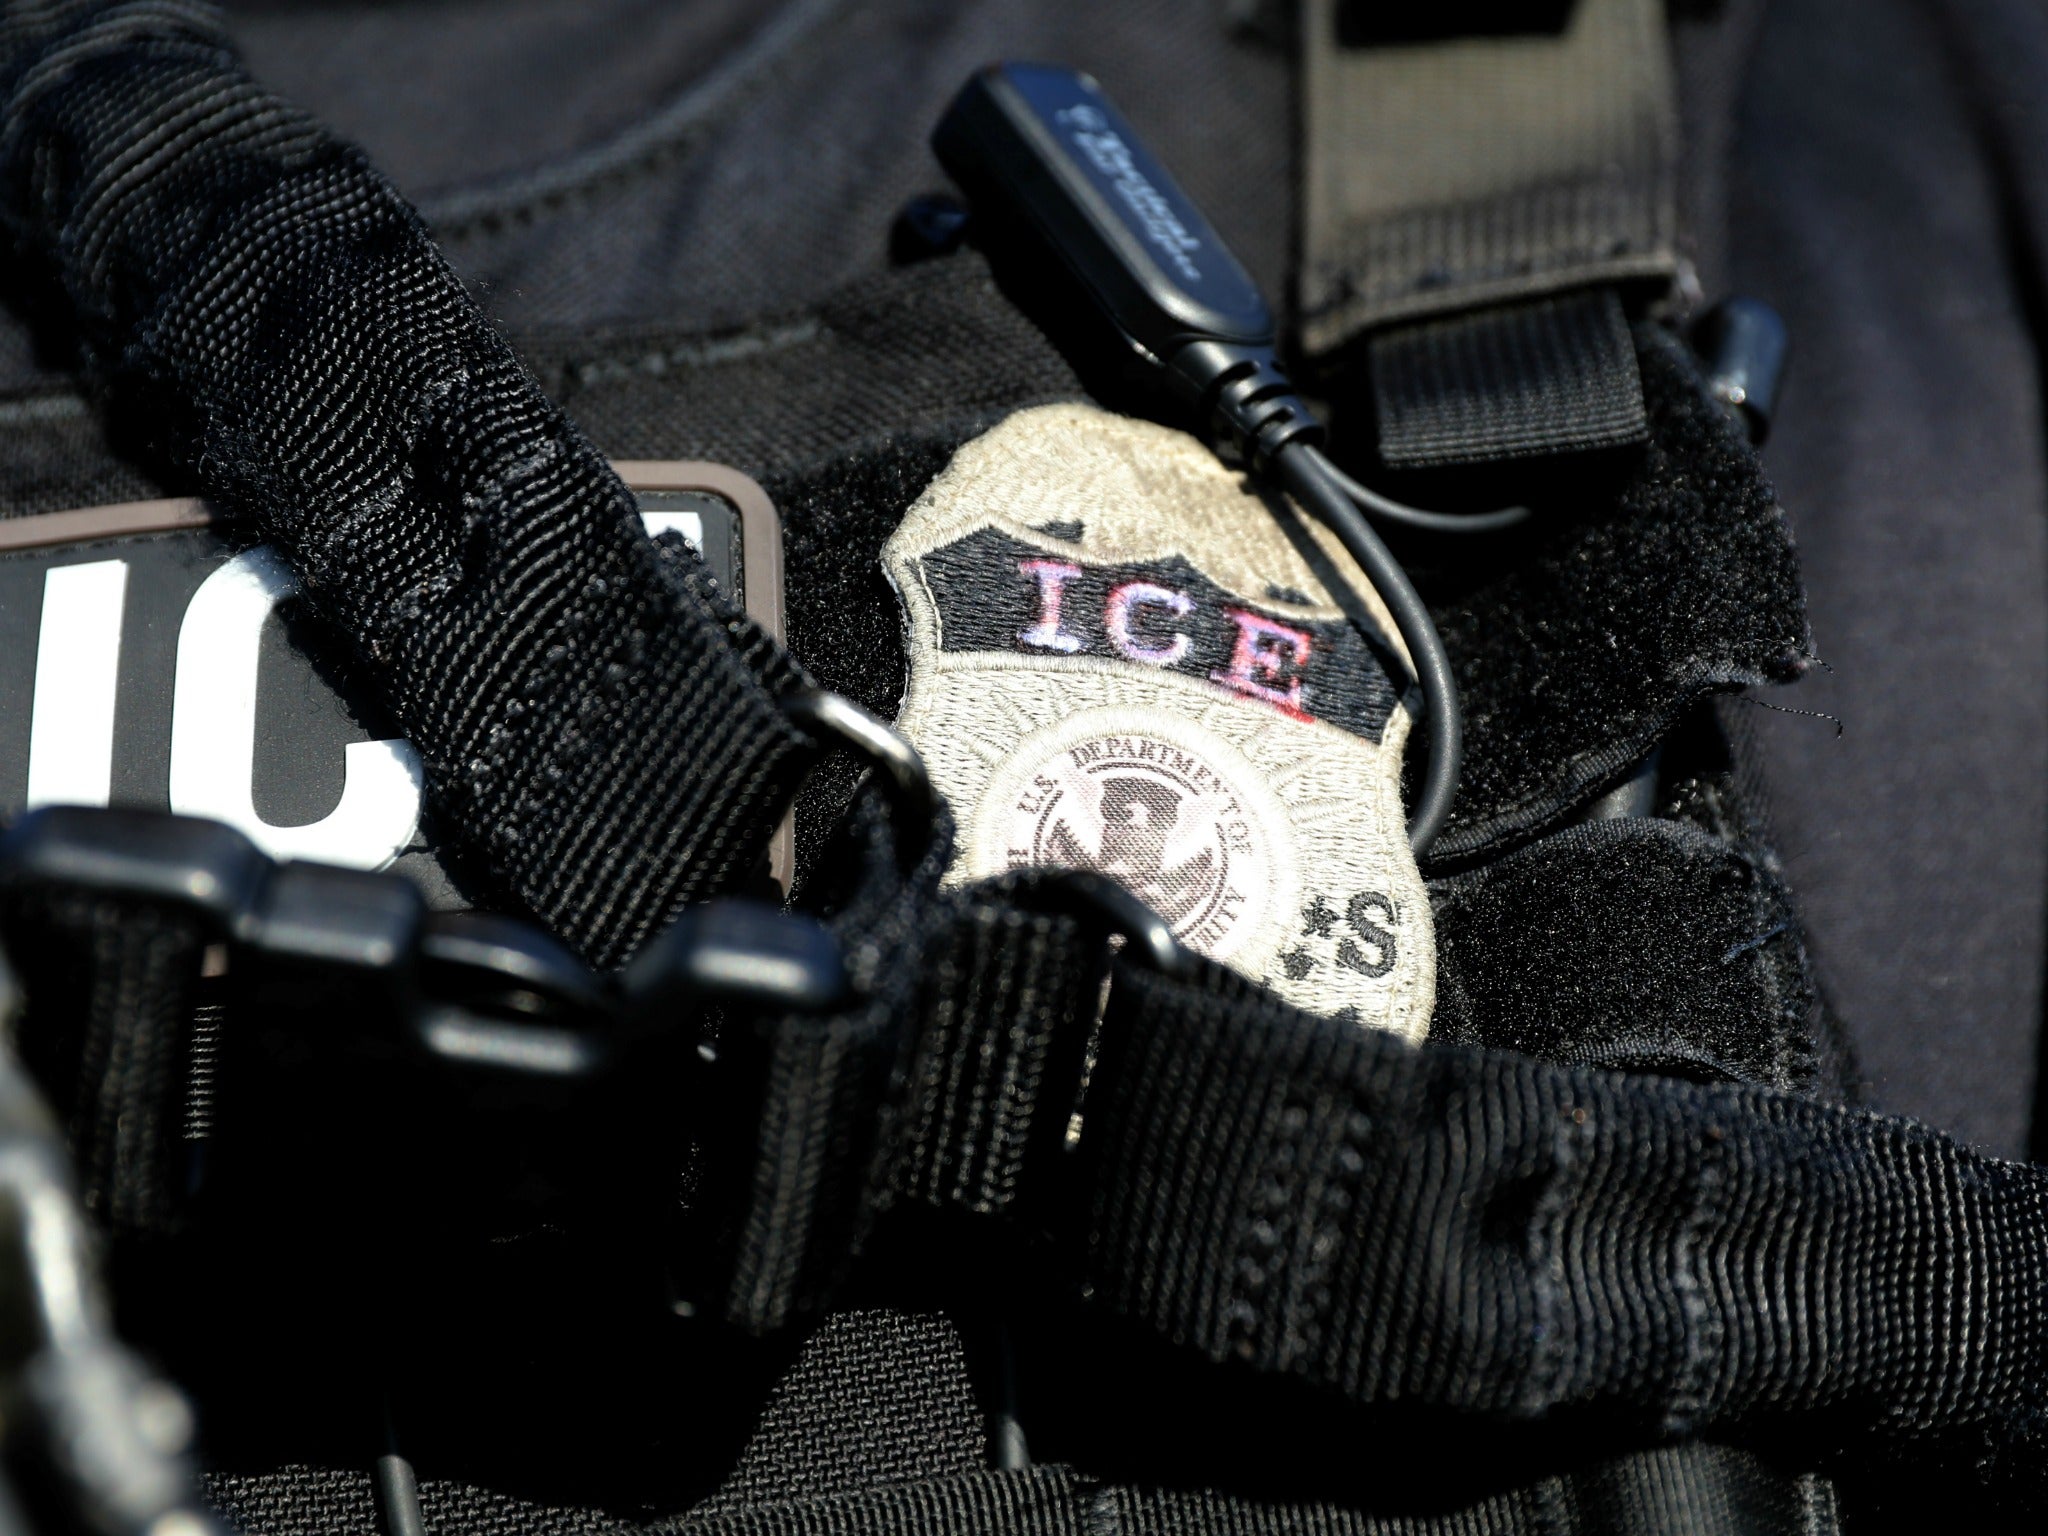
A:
763, 902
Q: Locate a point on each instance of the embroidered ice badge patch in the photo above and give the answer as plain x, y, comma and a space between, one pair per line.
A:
1121, 659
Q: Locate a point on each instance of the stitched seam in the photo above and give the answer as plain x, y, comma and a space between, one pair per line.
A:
1463, 840
1700, 1330
1319, 1239
1260, 1238
1589, 267
597, 370
1545, 1250
695, 110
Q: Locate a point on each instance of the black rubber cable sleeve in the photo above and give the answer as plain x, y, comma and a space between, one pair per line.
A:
1301, 473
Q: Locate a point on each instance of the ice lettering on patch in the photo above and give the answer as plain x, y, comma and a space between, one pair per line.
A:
1124, 659
1164, 614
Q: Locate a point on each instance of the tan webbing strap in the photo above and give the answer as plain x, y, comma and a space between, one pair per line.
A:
1475, 170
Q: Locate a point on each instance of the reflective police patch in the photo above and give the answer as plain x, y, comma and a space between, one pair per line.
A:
149, 657
1124, 659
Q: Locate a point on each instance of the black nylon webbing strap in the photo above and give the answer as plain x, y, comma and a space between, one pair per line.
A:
1697, 1491
1450, 1227
1635, 944
1006, 1013
808, 1177
597, 727
1483, 169
1471, 1230
1480, 1231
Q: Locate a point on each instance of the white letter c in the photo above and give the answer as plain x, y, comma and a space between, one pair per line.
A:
213, 732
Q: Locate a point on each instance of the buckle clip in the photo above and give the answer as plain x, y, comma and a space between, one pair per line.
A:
448, 1073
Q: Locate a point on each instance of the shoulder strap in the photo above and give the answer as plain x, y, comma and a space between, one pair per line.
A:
599, 726
1460, 1228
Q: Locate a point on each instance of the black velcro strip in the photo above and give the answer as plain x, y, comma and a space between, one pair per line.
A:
1636, 945
1688, 572
1554, 377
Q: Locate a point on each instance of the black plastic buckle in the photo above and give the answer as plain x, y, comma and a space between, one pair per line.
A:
209, 870
421, 1078
445, 1073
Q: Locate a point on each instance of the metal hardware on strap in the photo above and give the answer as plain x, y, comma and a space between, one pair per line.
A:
1745, 345
82, 1405
1109, 903
838, 721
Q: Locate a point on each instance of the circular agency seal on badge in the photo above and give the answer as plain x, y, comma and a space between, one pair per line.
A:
1122, 660
1177, 814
